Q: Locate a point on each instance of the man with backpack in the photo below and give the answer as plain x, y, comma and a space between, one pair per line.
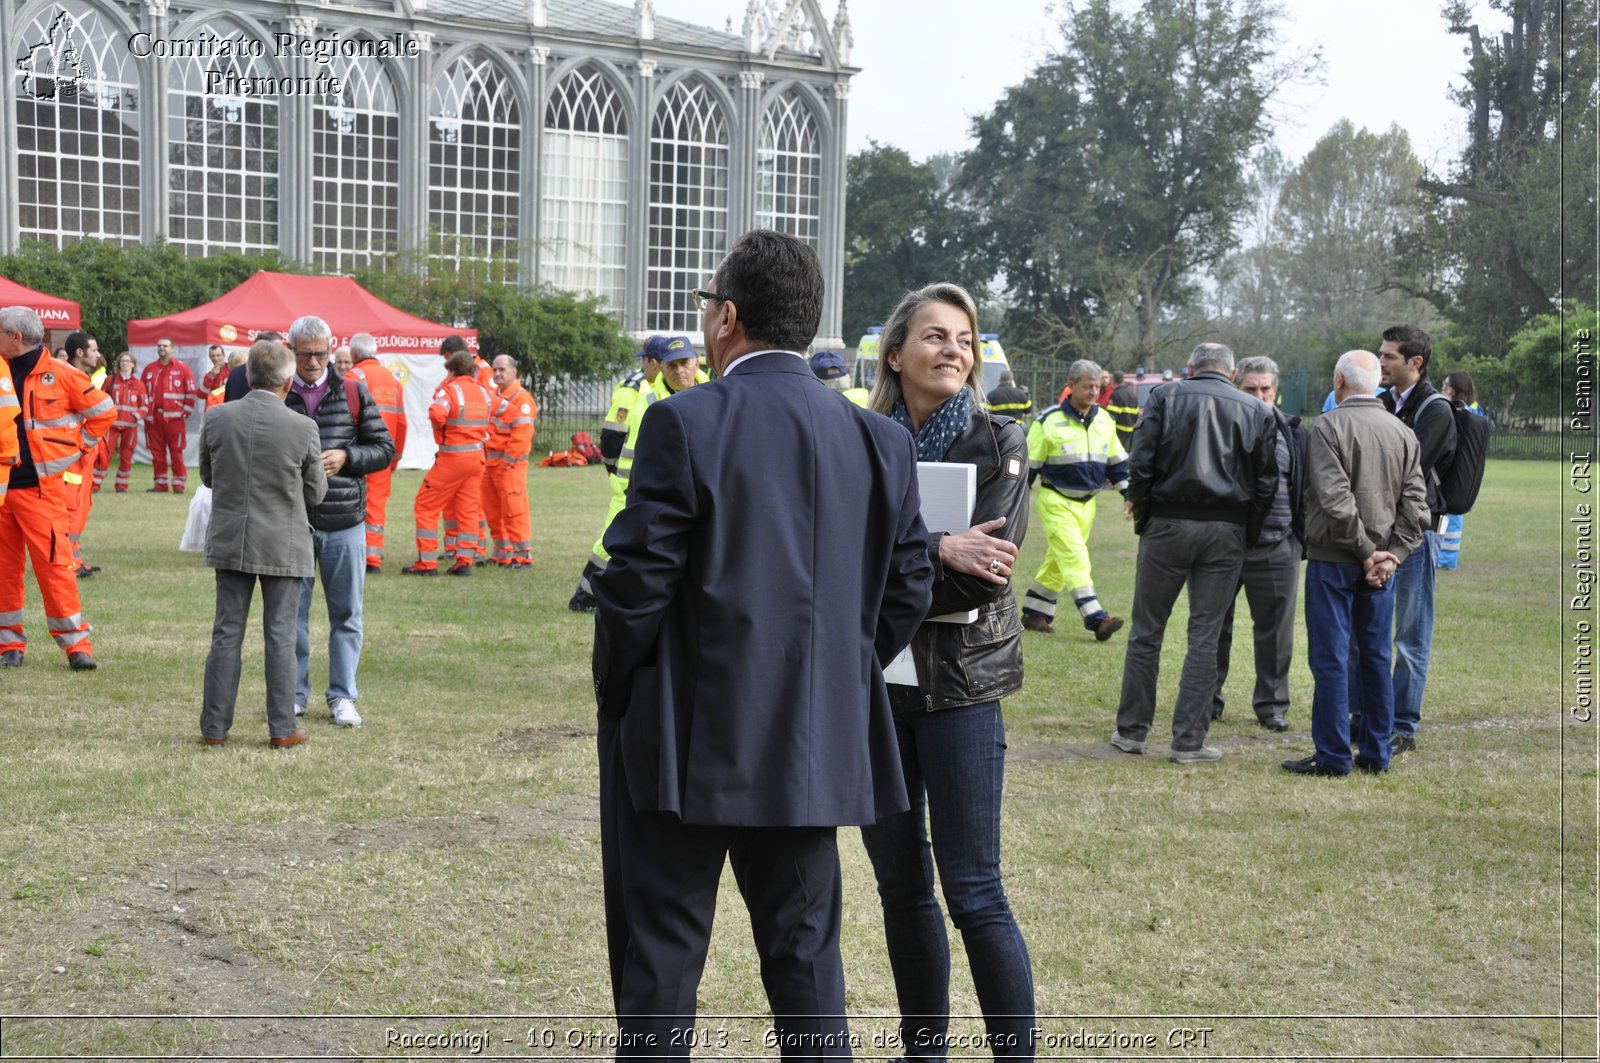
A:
1403, 360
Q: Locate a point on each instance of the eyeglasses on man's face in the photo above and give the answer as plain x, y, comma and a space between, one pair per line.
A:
703, 298
312, 356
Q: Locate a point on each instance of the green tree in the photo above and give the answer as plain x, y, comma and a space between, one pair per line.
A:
1117, 170
903, 230
115, 284
556, 337
1492, 255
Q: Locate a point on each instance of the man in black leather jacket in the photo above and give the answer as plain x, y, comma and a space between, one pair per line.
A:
355, 441
1201, 478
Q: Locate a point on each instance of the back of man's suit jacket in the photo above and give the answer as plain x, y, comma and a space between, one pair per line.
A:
771, 558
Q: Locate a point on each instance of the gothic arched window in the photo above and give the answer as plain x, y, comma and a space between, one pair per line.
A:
77, 129
585, 204
789, 170
475, 162
688, 202
355, 148
222, 154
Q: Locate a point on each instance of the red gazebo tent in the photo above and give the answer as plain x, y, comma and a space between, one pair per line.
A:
271, 301
407, 345
54, 311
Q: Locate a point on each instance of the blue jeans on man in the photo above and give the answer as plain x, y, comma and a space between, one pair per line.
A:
1348, 631
954, 763
1413, 584
341, 558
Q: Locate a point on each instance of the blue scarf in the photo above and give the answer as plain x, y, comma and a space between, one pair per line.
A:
941, 429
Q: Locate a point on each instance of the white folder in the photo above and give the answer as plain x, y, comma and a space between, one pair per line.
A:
949, 491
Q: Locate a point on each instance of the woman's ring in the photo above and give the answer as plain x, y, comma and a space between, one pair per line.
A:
994, 566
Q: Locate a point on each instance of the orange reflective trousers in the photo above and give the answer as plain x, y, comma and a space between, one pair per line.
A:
33, 523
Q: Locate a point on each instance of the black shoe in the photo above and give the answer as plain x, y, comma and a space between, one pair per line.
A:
413, 570
1399, 743
1216, 712
374, 570
1275, 722
1363, 764
11, 659
1309, 766
81, 662
460, 568
581, 602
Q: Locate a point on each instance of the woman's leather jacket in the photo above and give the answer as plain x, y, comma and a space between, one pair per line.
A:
969, 664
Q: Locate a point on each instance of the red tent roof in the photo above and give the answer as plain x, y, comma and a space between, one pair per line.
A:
273, 301
53, 310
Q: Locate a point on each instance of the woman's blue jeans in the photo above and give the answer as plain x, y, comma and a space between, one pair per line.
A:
954, 763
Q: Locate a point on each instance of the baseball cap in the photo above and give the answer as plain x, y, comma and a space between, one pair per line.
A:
668, 348
828, 366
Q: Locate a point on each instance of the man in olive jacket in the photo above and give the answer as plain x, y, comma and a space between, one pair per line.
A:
263, 464
355, 442
1365, 512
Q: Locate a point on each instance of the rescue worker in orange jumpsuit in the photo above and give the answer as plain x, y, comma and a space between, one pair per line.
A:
81, 351
170, 385
505, 470
63, 417
483, 375
459, 414
389, 396
133, 405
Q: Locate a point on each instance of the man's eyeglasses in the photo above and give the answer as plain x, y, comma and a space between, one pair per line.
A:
703, 298
307, 356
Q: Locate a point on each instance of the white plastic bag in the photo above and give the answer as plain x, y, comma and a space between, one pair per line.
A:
194, 529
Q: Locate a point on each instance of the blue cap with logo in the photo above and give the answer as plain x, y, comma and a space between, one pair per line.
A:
828, 366
668, 348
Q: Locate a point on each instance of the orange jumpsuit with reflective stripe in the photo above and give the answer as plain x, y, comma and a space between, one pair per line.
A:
132, 403
389, 396
459, 414
10, 411
505, 475
63, 416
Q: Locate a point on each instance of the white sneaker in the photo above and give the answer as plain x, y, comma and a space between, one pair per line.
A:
1127, 745
1203, 755
344, 713
299, 710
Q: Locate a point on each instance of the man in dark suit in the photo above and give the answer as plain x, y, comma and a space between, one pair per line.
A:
738, 664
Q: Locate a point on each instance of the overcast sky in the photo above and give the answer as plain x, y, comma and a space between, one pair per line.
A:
928, 66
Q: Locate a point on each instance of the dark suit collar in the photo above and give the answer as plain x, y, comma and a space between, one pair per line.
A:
774, 362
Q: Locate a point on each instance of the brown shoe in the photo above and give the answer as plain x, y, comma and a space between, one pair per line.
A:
1037, 623
209, 741
299, 736
1107, 627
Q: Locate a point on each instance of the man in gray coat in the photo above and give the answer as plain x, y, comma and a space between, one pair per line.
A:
1365, 511
263, 463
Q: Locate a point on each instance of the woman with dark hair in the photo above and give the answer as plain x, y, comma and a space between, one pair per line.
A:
949, 725
1463, 394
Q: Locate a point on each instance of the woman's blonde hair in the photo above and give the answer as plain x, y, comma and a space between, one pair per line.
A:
886, 389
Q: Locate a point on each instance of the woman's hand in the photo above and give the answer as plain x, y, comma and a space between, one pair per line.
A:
977, 552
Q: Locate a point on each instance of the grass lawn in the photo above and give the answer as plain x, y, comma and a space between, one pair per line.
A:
443, 859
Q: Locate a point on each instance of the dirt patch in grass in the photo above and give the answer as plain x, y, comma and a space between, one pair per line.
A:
154, 943
526, 740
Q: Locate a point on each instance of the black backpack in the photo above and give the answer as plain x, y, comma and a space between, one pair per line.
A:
1459, 482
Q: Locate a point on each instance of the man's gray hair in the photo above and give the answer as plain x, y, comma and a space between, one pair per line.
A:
1258, 363
269, 366
1213, 356
309, 327
1082, 368
363, 346
1007, 377
24, 322
237, 357
1360, 371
